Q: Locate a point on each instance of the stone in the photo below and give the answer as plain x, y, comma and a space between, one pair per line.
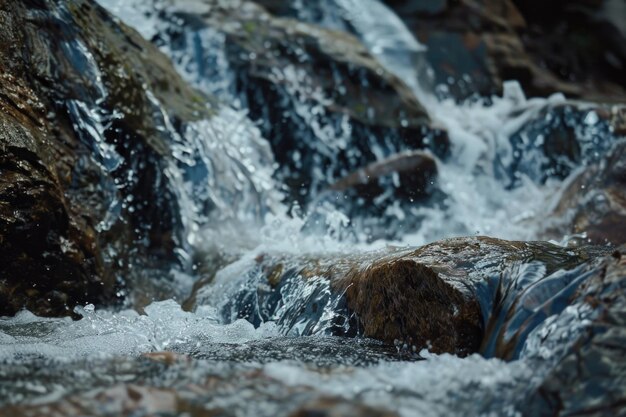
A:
594, 202
559, 139
416, 170
473, 46
587, 378
80, 137
446, 296
407, 302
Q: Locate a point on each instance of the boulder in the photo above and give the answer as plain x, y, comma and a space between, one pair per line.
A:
587, 377
454, 296
594, 202
415, 172
379, 198
85, 155
50, 253
559, 139
473, 46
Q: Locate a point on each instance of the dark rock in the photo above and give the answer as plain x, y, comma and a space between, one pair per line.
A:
594, 203
587, 379
581, 42
79, 136
558, 140
415, 170
379, 198
473, 46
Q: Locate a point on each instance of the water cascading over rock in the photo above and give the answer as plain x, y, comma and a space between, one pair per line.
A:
126, 178
111, 162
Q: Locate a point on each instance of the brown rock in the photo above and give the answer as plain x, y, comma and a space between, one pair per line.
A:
438, 296
407, 302
415, 169
67, 231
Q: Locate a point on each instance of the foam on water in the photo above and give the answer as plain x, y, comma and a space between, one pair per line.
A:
104, 334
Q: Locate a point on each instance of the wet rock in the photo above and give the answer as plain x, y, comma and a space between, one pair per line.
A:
407, 302
588, 377
50, 256
573, 47
559, 139
594, 202
442, 296
327, 107
379, 198
83, 154
413, 174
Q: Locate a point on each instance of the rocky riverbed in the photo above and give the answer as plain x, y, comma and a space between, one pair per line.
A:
333, 208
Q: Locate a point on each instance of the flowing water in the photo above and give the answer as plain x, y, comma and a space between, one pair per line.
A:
222, 171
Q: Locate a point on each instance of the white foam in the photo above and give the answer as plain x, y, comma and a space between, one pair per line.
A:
104, 333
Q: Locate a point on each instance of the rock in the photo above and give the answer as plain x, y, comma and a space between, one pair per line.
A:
405, 301
379, 199
581, 42
587, 378
92, 151
473, 46
50, 254
327, 107
559, 139
594, 202
415, 171
447, 296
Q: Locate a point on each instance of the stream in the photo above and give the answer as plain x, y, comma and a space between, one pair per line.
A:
244, 345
